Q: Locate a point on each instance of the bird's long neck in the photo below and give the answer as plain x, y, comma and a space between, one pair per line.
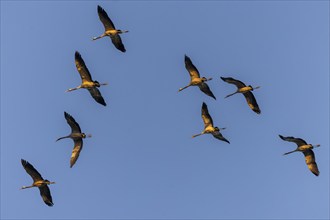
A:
103, 84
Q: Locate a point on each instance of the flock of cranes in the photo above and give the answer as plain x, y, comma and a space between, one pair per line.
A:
195, 80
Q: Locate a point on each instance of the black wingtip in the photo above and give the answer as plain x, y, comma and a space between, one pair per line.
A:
99, 8
23, 162
223, 78
77, 55
50, 204
281, 137
257, 111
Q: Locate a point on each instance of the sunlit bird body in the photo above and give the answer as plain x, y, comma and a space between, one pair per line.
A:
39, 182
246, 91
77, 137
306, 149
195, 79
110, 30
208, 126
87, 81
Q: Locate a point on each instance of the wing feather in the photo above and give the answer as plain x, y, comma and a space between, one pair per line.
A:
36, 176
82, 68
46, 196
206, 89
116, 40
219, 136
252, 102
310, 161
96, 94
106, 21
78, 145
236, 82
207, 119
75, 128
193, 72
298, 141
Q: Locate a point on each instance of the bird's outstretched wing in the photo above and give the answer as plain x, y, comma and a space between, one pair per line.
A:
82, 68
206, 89
237, 83
106, 21
75, 128
96, 94
46, 196
116, 40
298, 141
193, 72
207, 119
310, 161
36, 176
78, 145
252, 102
219, 136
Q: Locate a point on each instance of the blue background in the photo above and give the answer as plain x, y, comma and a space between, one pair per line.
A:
141, 161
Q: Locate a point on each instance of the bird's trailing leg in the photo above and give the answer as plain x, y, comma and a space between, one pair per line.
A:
196, 135
183, 88
26, 187
95, 38
72, 89
63, 137
290, 152
231, 94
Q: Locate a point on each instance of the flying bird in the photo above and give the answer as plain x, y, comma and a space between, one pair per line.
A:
110, 30
246, 91
39, 182
306, 149
208, 126
195, 79
76, 136
87, 82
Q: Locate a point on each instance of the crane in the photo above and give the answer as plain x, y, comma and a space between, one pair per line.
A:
39, 182
306, 149
87, 82
246, 91
195, 79
208, 125
110, 30
76, 136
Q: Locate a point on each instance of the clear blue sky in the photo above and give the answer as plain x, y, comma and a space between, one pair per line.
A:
141, 161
